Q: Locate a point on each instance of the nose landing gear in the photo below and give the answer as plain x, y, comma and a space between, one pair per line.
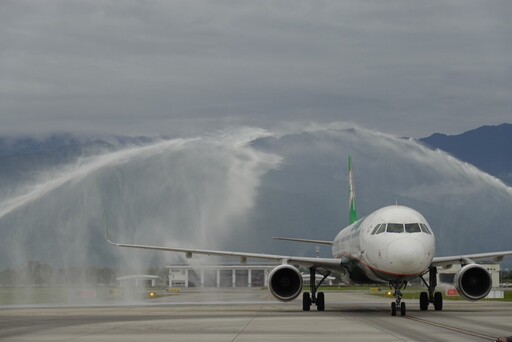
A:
398, 305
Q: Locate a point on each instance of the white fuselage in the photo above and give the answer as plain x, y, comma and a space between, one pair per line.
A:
392, 243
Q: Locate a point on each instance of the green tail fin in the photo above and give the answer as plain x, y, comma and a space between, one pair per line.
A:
352, 214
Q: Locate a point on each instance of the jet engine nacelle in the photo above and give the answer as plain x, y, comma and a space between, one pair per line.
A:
473, 282
285, 282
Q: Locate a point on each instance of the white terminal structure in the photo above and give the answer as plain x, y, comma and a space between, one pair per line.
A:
219, 275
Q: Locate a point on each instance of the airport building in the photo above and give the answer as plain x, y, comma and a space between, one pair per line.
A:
137, 280
245, 275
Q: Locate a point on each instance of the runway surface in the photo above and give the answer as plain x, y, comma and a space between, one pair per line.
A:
251, 315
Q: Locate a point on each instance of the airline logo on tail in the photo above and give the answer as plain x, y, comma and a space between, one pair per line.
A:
352, 214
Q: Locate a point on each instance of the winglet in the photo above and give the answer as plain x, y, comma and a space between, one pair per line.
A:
352, 214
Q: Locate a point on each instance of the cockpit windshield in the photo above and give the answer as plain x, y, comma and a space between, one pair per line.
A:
400, 228
395, 228
412, 228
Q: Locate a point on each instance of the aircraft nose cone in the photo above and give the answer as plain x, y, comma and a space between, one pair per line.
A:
406, 255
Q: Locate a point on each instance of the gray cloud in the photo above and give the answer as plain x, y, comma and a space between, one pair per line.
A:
143, 67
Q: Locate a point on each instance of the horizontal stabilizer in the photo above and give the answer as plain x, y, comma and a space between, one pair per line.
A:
318, 242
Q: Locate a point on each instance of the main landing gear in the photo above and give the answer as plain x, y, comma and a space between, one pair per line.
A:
314, 297
433, 297
398, 305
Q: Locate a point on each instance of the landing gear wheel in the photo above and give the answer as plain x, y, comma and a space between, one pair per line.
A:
435, 298
320, 301
306, 301
423, 301
438, 301
402, 309
393, 309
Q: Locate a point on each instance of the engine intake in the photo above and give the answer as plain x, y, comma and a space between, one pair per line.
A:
285, 282
473, 282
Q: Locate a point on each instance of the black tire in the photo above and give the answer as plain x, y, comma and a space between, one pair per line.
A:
438, 301
393, 309
306, 301
320, 301
402, 309
423, 301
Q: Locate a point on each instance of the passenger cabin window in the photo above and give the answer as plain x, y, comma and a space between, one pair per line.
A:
382, 228
395, 228
412, 228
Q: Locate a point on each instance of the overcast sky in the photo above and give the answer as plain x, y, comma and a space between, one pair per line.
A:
408, 68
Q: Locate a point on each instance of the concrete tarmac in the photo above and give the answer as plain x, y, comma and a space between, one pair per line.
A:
251, 315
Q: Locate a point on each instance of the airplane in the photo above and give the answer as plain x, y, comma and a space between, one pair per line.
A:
393, 245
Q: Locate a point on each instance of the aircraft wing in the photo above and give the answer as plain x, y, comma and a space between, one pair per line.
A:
316, 242
328, 263
469, 258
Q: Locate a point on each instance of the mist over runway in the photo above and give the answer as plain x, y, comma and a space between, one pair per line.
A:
235, 189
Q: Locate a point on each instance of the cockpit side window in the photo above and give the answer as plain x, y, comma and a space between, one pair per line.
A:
382, 228
425, 229
395, 228
376, 228
412, 228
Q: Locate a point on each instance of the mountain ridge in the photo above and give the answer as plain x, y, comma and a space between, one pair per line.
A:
489, 148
